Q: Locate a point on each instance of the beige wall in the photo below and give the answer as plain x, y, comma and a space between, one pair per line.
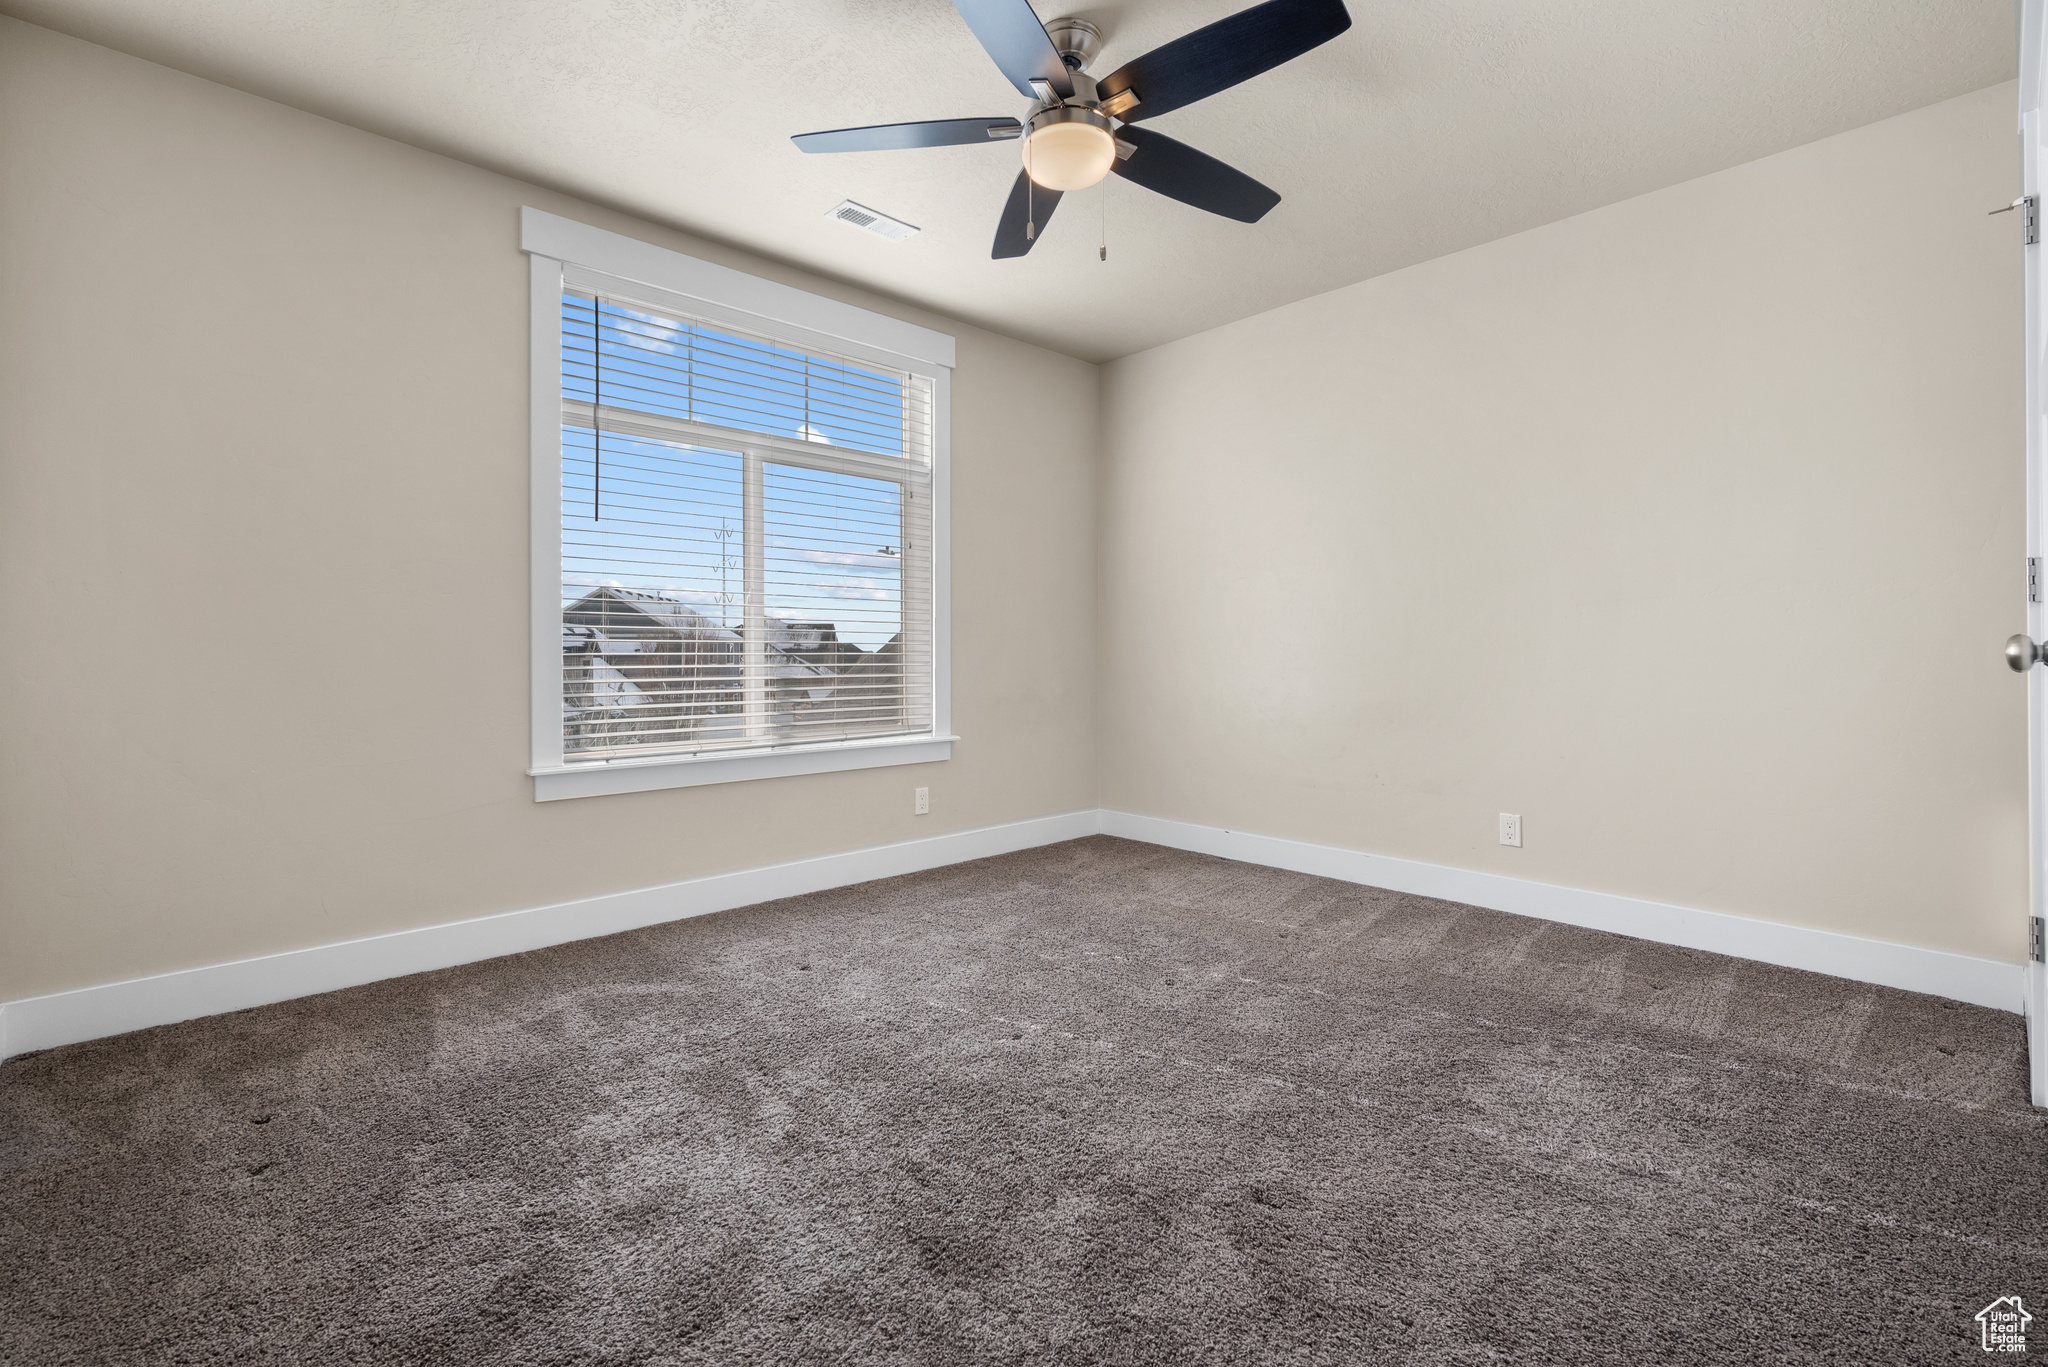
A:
263, 548
1689, 529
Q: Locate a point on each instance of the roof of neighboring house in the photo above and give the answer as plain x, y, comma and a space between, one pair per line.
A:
661, 611
809, 654
806, 655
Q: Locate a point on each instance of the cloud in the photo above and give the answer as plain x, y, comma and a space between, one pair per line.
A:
665, 335
849, 559
853, 588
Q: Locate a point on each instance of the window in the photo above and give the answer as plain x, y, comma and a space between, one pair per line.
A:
739, 548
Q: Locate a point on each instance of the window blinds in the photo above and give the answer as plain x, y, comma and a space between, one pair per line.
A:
746, 559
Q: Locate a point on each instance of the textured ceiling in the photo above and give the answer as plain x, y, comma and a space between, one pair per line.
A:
1431, 126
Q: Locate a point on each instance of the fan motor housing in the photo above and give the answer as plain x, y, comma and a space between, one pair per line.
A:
1069, 113
1084, 95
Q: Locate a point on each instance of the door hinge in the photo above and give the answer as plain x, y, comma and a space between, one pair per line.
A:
2030, 217
2039, 949
2033, 579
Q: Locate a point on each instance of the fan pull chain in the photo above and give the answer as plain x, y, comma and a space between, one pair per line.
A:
1102, 252
596, 423
1030, 209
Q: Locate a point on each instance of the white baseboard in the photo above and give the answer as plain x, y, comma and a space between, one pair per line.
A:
114, 1008
1984, 982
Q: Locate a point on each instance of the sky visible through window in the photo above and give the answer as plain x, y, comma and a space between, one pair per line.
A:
667, 518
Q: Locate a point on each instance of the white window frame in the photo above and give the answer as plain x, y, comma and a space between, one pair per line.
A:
564, 252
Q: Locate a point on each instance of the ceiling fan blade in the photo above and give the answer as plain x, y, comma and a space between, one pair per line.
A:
1014, 37
1178, 171
1010, 239
883, 137
1197, 65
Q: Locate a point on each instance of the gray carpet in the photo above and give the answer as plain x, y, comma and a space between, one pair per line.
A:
1096, 1103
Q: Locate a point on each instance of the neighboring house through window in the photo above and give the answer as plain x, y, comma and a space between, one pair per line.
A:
739, 524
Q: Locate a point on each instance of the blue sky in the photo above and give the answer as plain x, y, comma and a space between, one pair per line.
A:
667, 518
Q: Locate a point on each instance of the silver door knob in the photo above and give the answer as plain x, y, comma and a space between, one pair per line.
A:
2022, 654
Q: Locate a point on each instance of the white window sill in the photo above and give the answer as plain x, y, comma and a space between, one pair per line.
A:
598, 777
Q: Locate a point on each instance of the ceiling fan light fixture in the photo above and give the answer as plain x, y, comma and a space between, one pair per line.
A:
1069, 148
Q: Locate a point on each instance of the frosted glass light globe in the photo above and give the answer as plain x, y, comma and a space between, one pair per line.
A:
1069, 156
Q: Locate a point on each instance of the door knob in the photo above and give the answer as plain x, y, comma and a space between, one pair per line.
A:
2022, 654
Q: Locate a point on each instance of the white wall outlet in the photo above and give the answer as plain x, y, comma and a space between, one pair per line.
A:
1511, 829
924, 801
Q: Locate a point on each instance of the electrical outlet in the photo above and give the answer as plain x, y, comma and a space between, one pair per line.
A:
1511, 829
924, 801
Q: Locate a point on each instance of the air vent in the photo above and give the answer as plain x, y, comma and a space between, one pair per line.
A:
871, 220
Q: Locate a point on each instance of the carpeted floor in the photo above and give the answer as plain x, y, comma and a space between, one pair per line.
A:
1095, 1103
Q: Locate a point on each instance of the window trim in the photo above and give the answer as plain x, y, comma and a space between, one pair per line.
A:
563, 252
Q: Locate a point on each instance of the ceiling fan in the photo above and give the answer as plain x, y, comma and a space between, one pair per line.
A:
1079, 129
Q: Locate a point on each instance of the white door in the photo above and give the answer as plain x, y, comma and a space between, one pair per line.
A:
2033, 32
